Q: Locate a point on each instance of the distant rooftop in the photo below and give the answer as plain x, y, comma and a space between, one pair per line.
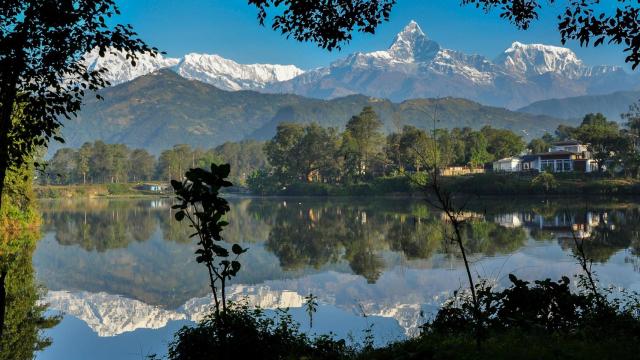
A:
567, 143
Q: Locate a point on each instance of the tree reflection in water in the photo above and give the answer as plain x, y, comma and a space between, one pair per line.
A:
306, 234
25, 318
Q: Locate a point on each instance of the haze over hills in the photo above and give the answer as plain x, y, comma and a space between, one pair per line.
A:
161, 109
416, 66
574, 108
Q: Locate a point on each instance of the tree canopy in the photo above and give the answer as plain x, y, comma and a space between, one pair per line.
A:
42, 77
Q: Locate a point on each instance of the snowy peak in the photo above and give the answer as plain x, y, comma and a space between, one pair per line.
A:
411, 44
229, 75
537, 59
119, 67
212, 69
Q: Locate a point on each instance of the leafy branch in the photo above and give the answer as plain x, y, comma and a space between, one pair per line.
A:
199, 203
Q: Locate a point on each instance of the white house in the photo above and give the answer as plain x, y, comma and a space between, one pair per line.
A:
509, 164
563, 156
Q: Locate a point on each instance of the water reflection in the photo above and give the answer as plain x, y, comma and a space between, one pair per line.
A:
25, 317
132, 266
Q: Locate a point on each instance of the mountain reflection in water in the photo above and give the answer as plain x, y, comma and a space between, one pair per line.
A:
121, 266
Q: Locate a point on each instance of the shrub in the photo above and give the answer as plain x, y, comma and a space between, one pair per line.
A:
242, 333
118, 189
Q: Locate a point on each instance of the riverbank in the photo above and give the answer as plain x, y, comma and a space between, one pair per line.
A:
92, 190
479, 184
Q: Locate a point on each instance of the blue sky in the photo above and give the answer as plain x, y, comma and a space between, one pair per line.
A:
229, 28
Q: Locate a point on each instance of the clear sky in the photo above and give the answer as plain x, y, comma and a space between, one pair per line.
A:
229, 28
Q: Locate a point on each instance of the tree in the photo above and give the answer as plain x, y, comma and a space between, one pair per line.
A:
84, 158
417, 148
142, 165
502, 143
478, 150
280, 153
537, 146
316, 151
603, 137
329, 23
42, 79
245, 157
362, 143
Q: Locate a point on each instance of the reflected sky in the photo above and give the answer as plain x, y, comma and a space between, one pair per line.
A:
124, 274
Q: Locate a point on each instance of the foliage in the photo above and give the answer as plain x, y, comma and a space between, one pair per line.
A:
99, 163
243, 333
199, 203
116, 163
545, 181
42, 80
25, 319
328, 24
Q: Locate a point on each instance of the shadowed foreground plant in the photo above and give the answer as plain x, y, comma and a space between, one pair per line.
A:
243, 333
199, 203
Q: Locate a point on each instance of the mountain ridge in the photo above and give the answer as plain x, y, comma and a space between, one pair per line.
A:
413, 66
161, 109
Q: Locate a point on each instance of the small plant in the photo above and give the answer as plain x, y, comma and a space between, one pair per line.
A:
199, 203
546, 181
311, 306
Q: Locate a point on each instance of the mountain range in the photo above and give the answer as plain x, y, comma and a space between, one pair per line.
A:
212, 69
158, 110
414, 66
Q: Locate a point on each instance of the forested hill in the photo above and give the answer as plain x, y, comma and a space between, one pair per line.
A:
162, 109
611, 105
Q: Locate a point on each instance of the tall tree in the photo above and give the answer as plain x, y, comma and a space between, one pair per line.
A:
316, 151
362, 143
84, 160
280, 152
602, 136
42, 79
142, 165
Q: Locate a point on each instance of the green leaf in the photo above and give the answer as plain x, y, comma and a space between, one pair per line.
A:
180, 215
237, 249
235, 265
224, 170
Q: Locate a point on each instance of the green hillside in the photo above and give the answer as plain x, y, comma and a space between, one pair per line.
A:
159, 110
611, 105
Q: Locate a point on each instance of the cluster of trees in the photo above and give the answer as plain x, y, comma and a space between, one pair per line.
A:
99, 162
311, 153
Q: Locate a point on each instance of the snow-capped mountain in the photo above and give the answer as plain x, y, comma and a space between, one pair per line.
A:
120, 68
415, 66
229, 75
212, 69
528, 60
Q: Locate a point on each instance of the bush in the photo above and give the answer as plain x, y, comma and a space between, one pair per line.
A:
118, 189
543, 320
241, 333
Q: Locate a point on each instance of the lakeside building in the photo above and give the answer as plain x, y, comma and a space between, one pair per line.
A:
565, 156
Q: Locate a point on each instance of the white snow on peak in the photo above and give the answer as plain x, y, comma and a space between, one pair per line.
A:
119, 67
537, 59
212, 69
229, 75
111, 315
412, 44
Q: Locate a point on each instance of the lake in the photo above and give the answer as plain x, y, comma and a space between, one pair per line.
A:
123, 272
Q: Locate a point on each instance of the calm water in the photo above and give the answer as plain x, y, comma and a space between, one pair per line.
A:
123, 272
